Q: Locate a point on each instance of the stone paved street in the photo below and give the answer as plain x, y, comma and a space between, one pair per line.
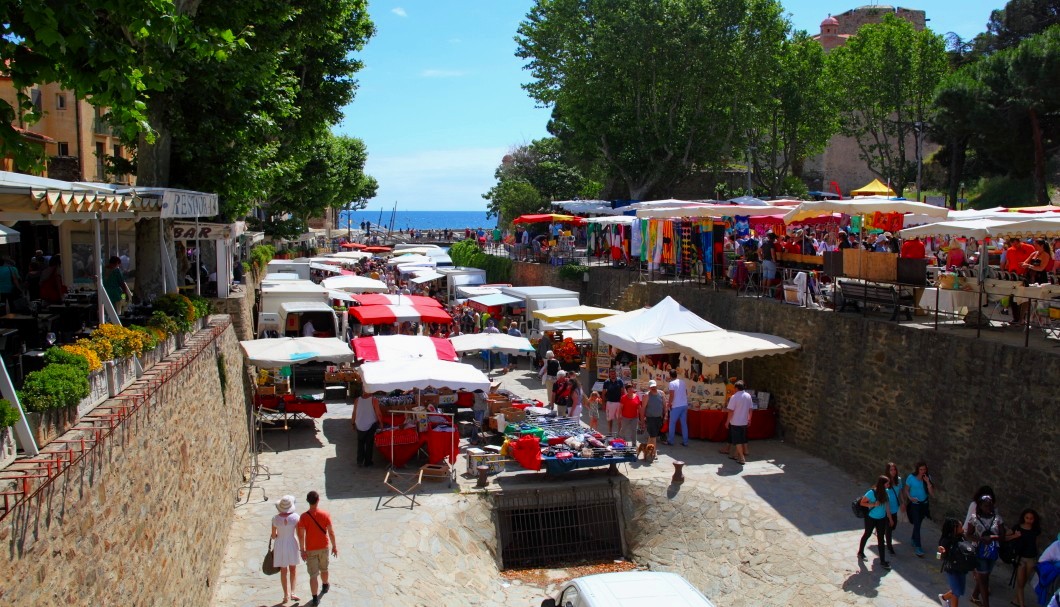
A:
777, 532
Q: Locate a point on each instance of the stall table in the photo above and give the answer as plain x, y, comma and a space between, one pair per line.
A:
557, 466
293, 406
709, 424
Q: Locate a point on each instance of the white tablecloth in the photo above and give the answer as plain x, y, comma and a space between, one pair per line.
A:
950, 301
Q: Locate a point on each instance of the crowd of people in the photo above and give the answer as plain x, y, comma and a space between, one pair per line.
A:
972, 545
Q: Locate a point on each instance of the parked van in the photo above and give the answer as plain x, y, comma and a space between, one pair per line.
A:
629, 589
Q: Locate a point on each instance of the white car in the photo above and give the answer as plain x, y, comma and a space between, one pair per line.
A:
629, 589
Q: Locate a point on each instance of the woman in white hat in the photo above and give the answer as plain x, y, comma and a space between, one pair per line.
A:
286, 553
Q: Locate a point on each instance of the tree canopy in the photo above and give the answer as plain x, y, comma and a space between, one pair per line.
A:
653, 89
532, 175
887, 74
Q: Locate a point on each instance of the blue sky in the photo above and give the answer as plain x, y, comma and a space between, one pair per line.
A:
440, 100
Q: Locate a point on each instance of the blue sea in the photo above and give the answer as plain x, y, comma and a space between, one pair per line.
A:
422, 220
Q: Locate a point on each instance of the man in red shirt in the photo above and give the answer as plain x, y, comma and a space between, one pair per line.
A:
1018, 252
314, 533
913, 249
632, 414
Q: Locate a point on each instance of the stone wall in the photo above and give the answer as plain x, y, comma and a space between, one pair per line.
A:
239, 306
142, 519
862, 392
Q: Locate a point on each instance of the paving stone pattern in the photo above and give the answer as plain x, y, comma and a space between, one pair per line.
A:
777, 532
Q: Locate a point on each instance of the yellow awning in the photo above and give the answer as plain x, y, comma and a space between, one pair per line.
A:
875, 188
574, 313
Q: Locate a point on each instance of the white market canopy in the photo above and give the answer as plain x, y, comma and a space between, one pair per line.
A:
422, 276
862, 206
1024, 226
495, 342
607, 321
707, 210
641, 335
355, 284
349, 255
325, 267
418, 260
613, 220
387, 376
574, 313
715, 347
283, 351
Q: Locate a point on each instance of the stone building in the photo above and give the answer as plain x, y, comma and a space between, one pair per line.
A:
841, 162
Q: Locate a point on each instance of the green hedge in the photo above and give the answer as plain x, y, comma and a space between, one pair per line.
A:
468, 253
8, 413
54, 387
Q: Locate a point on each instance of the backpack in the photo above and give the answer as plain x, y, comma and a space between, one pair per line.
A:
859, 510
1009, 552
963, 557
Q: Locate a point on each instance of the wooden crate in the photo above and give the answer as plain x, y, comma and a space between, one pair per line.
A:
266, 390
513, 415
435, 472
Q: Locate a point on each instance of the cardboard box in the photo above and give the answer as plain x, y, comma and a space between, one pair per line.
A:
266, 390
435, 472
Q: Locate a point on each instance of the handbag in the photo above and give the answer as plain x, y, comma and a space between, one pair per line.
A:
266, 564
987, 550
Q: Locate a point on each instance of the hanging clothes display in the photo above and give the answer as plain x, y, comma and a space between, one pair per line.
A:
742, 226
636, 239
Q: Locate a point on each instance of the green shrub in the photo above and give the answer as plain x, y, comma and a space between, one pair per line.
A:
201, 305
150, 337
178, 307
8, 413
163, 322
54, 387
55, 355
463, 252
261, 255
572, 271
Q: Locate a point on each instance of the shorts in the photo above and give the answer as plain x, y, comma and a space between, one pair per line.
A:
613, 410
985, 565
737, 435
316, 561
956, 582
654, 425
769, 270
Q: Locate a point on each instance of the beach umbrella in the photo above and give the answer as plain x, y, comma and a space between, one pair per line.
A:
549, 218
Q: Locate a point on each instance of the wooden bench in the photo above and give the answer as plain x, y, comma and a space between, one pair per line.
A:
867, 293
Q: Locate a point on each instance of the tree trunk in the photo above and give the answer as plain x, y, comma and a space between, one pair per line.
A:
152, 170
1041, 192
958, 156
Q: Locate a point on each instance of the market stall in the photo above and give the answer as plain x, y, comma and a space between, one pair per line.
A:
385, 315
403, 347
409, 422
355, 284
560, 445
394, 300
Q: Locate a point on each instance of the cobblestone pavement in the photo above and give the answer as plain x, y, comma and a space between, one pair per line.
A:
777, 532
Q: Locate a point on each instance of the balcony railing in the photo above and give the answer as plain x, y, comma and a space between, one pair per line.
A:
102, 127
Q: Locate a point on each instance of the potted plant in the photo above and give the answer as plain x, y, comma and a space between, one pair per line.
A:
8, 417
569, 355
86, 359
50, 397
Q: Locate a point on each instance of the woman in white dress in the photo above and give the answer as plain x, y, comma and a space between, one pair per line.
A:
286, 553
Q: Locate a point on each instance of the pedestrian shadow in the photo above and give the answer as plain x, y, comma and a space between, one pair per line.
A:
863, 582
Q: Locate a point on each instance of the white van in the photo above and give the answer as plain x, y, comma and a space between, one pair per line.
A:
629, 589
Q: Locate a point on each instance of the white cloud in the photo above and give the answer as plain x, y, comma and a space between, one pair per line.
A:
442, 73
437, 180
400, 12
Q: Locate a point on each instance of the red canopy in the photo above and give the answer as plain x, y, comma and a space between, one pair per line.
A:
403, 347
376, 249
375, 299
550, 218
353, 245
385, 315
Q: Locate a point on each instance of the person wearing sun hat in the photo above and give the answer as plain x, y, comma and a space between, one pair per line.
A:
286, 551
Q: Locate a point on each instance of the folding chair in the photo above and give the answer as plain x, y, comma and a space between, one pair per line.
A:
408, 492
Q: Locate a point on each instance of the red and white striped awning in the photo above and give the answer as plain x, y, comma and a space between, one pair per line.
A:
376, 299
403, 347
385, 315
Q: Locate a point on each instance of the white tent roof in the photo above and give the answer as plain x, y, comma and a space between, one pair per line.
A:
347, 255
325, 267
641, 335
715, 347
422, 276
614, 220
607, 321
419, 260
1024, 226
387, 376
497, 342
708, 210
284, 351
355, 284
861, 206
9, 236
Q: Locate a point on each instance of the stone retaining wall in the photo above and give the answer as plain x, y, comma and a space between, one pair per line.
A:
141, 520
863, 392
240, 307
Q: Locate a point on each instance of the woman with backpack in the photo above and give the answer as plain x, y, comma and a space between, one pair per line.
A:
1024, 545
955, 562
894, 498
986, 529
877, 519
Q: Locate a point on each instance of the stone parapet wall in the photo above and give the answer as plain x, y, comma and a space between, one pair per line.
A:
862, 392
239, 306
142, 519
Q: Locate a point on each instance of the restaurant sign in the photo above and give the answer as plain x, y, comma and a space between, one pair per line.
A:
203, 231
178, 203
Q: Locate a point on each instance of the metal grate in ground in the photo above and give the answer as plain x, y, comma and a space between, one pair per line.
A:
550, 527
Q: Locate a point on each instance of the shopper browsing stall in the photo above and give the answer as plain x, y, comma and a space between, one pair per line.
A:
737, 419
632, 414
